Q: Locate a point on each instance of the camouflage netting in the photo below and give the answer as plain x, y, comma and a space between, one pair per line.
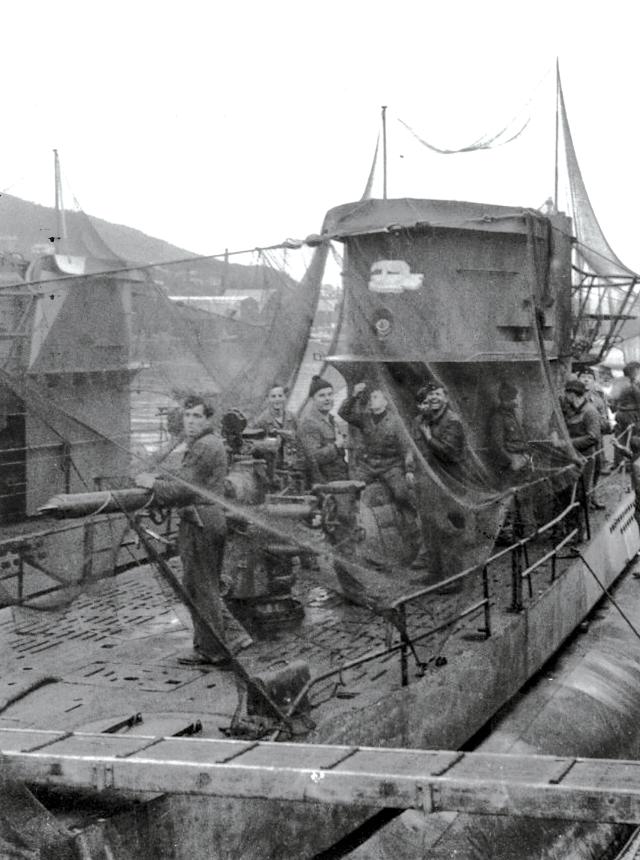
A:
108, 356
98, 361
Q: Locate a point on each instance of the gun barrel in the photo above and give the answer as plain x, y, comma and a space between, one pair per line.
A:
101, 502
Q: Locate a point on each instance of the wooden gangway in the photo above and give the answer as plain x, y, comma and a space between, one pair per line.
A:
548, 787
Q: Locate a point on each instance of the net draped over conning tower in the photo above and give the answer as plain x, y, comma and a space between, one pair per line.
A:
463, 295
397, 294
470, 297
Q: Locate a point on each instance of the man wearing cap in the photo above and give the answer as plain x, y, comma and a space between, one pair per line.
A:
507, 440
595, 395
597, 398
582, 419
583, 424
384, 444
320, 442
439, 437
438, 431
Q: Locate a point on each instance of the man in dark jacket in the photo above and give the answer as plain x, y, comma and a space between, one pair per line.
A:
508, 444
625, 399
438, 432
320, 443
582, 419
597, 398
440, 439
583, 424
202, 532
384, 447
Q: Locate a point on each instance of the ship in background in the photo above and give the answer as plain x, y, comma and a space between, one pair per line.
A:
114, 344
463, 293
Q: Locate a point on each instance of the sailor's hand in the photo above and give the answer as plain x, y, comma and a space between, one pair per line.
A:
411, 478
145, 480
359, 387
519, 462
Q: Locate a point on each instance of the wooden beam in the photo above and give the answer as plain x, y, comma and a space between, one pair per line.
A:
548, 787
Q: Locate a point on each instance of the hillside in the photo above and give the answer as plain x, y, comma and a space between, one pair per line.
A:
24, 225
26, 228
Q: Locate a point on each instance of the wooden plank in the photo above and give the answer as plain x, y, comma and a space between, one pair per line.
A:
540, 801
605, 775
305, 756
431, 780
407, 762
193, 750
483, 766
22, 740
98, 745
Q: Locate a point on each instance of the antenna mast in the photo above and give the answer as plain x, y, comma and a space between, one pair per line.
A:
61, 224
384, 152
555, 184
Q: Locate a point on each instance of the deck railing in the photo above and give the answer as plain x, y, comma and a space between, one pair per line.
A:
24, 557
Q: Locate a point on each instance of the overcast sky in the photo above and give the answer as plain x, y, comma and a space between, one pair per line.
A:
238, 124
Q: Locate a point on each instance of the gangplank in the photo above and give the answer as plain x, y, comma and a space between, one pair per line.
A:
430, 780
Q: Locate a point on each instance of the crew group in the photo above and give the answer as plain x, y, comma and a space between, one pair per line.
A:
386, 454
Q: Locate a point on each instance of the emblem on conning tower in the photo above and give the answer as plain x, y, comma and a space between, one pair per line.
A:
393, 276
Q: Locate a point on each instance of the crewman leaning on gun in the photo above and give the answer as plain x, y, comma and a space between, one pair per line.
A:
202, 532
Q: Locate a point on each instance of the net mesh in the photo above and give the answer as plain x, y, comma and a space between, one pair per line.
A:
98, 365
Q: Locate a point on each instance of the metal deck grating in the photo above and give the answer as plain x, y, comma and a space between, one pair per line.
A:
156, 678
131, 599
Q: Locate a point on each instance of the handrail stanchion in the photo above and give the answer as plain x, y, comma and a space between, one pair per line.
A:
519, 533
516, 579
516, 558
487, 605
404, 650
20, 576
584, 501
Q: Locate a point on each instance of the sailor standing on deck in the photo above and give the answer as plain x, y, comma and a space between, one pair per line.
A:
321, 443
202, 532
625, 401
583, 423
597, 398
507, 440
439, 437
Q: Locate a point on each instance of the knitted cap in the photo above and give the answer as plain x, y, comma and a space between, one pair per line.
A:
317, 384
587, 371
575, 385
427, 389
